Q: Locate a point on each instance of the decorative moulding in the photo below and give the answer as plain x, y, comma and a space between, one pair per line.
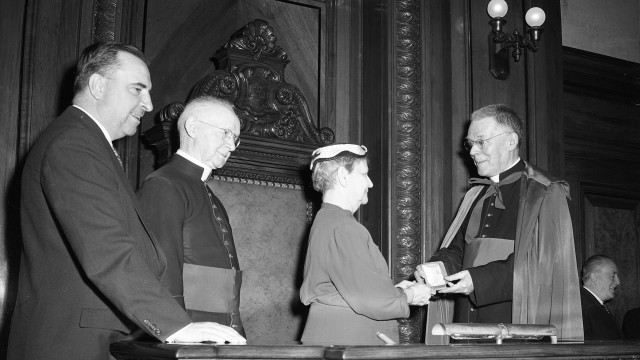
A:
277, 131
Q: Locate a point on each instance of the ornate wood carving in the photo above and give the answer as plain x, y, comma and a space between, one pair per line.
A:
408, 158
277, 128
104, 20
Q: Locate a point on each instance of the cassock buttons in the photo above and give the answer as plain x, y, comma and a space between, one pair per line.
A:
153, 327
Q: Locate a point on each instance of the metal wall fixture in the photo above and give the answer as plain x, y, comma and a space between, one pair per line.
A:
515, 42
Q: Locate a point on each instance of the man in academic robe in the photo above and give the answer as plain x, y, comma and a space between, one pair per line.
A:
600, 281
509, 252
90, 268
189, 220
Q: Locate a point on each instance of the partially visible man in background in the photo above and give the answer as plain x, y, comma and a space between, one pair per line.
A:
600, 281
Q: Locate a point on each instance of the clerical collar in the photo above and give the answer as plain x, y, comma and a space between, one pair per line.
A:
594, 295
104, 131
496, 178
206, 171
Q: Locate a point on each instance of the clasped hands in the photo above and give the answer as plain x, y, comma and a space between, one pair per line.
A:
416, 293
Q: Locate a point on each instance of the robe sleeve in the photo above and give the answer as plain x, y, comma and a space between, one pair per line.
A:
492, 282
451, 256
358, 272
165, 208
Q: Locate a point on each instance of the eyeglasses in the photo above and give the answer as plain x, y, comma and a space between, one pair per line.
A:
481, 143
228, 134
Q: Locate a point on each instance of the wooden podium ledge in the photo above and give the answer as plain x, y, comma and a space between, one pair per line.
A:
589, 350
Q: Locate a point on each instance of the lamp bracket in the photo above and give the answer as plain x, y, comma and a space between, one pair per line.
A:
499, 56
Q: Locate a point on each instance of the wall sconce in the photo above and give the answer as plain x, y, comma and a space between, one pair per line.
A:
499, 60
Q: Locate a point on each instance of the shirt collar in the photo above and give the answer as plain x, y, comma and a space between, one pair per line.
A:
594, 295
496, 178
206, 170
102, 128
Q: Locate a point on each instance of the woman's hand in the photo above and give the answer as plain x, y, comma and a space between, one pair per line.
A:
418, 294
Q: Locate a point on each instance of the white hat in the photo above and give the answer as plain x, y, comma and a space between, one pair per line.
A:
333, 151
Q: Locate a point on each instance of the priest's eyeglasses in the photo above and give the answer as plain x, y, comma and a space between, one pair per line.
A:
228, 134
480, 143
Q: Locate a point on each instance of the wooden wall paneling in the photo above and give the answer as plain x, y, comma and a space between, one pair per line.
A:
602, 163
544, 93
346, 119
461, 108
437, 122
375, 119
13, 17
443, 47
179, 42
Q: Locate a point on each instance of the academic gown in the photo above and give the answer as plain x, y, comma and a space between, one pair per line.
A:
545, 280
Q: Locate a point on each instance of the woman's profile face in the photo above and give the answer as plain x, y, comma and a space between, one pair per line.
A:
358, 184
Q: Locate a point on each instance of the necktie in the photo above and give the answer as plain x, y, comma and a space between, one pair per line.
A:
117, 156
494, 188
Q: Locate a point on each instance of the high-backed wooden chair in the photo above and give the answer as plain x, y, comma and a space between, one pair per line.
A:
277, 129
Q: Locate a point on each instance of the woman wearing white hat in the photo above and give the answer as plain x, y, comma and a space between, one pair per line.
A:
346, 279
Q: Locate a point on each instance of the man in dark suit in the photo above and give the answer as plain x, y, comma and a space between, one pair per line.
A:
90, 268
600, 281
189, 220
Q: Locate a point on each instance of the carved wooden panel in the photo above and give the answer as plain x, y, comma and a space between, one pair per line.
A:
277, 129
408, 153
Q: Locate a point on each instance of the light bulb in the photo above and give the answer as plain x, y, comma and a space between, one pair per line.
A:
497, 8
535, 17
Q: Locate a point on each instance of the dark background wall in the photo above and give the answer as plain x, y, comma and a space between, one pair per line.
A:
401, 77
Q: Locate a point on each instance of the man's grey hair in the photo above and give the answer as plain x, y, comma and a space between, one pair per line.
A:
593, 265
196, 107
505, 117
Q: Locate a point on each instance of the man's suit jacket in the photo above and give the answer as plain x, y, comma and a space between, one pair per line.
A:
90, 270
598, 324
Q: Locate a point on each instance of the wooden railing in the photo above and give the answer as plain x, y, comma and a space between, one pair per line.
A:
589, 350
